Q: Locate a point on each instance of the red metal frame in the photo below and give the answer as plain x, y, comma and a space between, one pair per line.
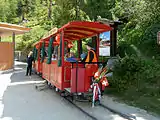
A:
73, 30
98, 39
38, 64
65, 76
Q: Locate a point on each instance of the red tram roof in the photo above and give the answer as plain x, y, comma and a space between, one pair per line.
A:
39, 43
82, 29
77, 30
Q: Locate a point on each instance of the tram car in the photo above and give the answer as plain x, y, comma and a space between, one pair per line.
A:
72, 77
43, 43
37, 64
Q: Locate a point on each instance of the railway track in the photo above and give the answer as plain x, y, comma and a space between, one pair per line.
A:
128, 117
93, 113
79, 108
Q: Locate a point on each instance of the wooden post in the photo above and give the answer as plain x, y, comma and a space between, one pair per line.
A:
13, 41
97, 47
94, 42
79, 46
113, 40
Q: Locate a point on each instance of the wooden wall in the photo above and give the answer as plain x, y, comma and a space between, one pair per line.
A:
6, 55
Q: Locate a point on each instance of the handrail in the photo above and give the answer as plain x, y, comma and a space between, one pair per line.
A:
86, 63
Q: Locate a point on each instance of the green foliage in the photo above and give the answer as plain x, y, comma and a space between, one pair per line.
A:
137, 81
134, 72
149, 44
66, 11
28, 39
8, 10
141, 23
126, 72
125, 49
137, 36
24, 7
96, 8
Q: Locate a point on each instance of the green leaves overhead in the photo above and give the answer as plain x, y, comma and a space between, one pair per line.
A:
96, 8
42, 15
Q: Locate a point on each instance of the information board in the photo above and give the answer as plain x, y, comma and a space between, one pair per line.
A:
104, 51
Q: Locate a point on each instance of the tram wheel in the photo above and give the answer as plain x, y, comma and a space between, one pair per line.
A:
72, 97
90, 99
97, 102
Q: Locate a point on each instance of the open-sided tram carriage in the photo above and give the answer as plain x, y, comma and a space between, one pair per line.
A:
38, 65
73, 77
44, 42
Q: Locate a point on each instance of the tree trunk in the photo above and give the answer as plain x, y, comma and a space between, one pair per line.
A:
50, 9
23, 16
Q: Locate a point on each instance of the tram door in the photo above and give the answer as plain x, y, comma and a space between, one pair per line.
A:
67, 66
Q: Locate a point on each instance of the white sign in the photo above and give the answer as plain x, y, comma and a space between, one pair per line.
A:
104, 51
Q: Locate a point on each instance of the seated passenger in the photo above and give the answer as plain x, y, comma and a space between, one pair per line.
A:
83, 57
91, 55
54, 57
71, 58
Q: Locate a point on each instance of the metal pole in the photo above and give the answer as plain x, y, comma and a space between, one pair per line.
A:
79, 46
13, 41
62, 57
97, 47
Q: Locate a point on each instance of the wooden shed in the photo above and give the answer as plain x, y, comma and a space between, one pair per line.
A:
7, 48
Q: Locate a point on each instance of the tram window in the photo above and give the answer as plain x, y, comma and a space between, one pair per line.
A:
65, 48
58, 54
74, 49
46, 51
55, 53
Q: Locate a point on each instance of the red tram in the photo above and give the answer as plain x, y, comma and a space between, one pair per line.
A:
74, 77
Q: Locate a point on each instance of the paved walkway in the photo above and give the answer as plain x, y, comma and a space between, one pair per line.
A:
128, 110
19, 100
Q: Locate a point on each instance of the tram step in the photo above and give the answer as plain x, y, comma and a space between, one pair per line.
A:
68, 89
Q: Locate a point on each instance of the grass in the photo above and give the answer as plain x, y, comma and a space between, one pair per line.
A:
144, 100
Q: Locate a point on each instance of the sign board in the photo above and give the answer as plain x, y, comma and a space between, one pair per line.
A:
51, 32
158, 38
104, 46
104, 51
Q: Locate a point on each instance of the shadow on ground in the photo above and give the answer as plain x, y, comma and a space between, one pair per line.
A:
21, 101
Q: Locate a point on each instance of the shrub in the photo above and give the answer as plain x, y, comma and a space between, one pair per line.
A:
125, 48
134, 77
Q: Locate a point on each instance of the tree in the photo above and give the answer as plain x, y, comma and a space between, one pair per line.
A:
8, 10
68, 10
24, 7
95, 8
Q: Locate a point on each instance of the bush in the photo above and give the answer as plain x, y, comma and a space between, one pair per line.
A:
134, 74
148, 43
125, 48
126, 72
